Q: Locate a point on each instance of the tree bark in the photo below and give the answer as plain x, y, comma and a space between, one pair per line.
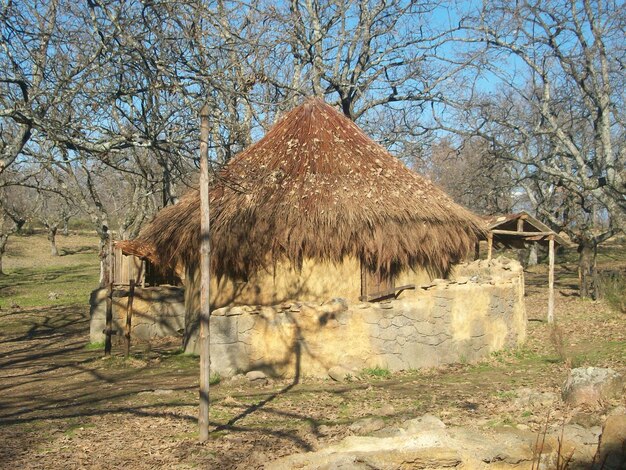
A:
3, 244
66, 226
52, 238
587, 272
205, 276
532, 255
105, 257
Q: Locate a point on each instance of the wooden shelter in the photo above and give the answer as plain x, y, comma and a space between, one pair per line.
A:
516, 231
314, 210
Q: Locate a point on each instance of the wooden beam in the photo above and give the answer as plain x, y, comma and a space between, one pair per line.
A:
551, 280
520, 233
205, 276
489, 245
394, 292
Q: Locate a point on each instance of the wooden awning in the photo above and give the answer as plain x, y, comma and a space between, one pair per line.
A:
515, 230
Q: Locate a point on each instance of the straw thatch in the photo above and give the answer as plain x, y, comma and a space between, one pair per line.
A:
315, 187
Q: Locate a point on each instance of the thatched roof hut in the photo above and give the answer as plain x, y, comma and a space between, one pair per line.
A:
315, 187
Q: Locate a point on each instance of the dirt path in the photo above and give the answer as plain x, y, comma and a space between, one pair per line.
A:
62, 406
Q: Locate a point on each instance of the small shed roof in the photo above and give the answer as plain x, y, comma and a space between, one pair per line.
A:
513, 230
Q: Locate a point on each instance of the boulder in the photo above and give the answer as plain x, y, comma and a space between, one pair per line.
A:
426, 443
423, 424
340, 374
591, 386
612, 447
256, 376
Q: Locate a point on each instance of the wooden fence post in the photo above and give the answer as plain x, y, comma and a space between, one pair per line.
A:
108, 329
129, 315
551, 280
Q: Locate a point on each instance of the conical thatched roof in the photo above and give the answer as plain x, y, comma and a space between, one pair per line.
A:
315, 187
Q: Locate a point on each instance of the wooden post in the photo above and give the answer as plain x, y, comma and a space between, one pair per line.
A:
551, 280
109, 301
489, 245
129, 315
108, 329
205, 276
143, 274
477, 250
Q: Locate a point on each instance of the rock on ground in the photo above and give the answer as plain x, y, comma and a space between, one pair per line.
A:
339, 373
612, 446
591, 386
427, 443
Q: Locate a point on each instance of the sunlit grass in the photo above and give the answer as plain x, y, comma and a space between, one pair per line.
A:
37, 279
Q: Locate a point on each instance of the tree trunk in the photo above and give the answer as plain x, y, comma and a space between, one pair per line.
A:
3, 244
52, 238
105, 257
587, 272
532, 255
66, 226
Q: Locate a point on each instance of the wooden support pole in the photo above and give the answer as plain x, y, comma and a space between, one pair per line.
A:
129, 315
108, 329
551, 280
520, 233
109, 301
489, 245
143, 274
205, 276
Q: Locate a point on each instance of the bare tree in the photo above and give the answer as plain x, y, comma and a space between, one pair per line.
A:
366, 56
554, 102
52, 209
12, 219
470, 173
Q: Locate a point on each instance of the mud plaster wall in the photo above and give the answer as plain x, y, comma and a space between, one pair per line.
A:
315, 282
157, 311
465, 319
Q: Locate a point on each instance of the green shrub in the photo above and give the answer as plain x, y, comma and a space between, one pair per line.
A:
377, 372
215, 378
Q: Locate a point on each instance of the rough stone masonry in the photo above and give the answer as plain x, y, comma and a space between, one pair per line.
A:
460, 320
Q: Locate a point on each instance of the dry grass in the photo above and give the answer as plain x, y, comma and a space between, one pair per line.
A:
63, 406
32, 251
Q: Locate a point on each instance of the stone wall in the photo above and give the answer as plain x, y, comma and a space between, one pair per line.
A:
157, 311
464, 319
479, 311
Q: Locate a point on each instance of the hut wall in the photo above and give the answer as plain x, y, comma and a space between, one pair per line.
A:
316, 282
157, 311
459, 320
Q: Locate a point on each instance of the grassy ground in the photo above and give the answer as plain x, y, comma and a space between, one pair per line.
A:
36, 279
62, 405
